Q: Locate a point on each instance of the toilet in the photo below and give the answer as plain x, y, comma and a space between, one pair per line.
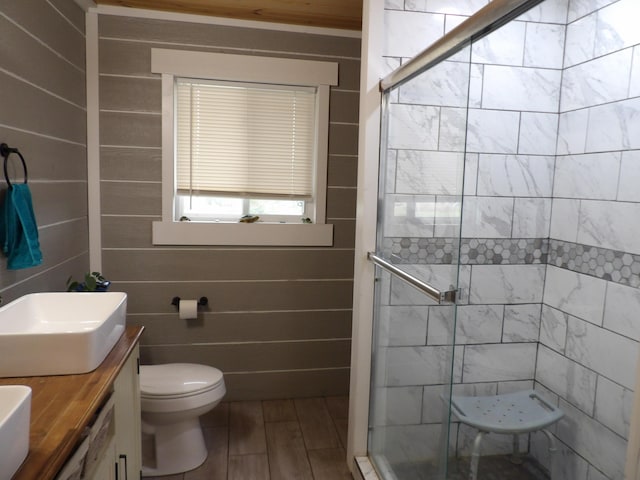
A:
173, 397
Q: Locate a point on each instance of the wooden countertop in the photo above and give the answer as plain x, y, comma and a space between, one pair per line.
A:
62, 405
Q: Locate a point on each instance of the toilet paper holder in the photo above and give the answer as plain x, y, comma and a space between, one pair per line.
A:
202, 301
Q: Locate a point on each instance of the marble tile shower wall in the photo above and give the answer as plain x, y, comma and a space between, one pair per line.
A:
513, 82
550, 248
589, 328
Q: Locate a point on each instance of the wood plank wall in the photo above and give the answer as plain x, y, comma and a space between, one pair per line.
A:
43, 114
279, 319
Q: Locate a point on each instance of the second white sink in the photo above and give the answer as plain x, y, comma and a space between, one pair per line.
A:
15, 413
59, 333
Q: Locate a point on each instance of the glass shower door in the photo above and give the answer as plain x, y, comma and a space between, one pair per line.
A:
417, 261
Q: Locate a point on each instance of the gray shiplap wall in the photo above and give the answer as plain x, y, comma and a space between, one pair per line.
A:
43, 113
279, 319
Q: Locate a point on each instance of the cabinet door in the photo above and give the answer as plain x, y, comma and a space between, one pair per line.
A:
126, 390
105, 469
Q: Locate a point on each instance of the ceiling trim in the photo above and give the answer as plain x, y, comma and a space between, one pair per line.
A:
229, 22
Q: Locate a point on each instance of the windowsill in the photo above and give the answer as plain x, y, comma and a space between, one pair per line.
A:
250, 234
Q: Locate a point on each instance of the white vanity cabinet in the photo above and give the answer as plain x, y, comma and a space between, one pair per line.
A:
127, 419
68, 412
120, 457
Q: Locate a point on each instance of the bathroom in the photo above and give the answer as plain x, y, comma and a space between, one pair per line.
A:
279, 320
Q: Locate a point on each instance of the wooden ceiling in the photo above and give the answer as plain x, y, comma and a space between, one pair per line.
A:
344, 14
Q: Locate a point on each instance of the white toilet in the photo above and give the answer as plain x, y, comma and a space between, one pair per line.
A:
173, 396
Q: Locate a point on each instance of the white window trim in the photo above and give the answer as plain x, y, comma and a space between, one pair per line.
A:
242, 68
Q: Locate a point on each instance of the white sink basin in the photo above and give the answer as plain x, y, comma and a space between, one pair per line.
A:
15, 413
59, 333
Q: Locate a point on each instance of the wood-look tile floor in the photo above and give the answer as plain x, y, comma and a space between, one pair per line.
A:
301, 439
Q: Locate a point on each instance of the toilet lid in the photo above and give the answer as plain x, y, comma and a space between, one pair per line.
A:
177, 378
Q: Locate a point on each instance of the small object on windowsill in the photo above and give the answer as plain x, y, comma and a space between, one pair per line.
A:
306, 220
184, 218
249, 218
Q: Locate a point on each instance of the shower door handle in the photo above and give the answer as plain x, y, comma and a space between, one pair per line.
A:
439, 296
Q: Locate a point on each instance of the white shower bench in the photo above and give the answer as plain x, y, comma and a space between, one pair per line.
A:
512, 413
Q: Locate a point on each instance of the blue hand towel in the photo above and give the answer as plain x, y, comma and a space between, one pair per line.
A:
18, 229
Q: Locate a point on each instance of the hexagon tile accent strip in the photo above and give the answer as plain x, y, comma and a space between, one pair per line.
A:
612, 265
473, 251
431, 251
510, 251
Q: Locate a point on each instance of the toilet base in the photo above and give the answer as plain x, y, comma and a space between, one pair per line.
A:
177, 447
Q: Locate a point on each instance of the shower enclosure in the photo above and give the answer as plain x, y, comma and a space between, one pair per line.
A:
417, 253
507, 252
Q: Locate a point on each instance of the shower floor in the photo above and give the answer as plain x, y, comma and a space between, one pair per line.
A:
496, 467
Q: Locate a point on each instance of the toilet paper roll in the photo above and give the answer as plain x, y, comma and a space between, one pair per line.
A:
188, 309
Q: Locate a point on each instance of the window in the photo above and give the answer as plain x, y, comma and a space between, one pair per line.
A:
243, 135
244, 149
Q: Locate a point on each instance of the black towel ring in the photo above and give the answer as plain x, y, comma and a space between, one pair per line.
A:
5, 151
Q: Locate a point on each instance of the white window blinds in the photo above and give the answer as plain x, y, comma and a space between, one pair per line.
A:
244, 139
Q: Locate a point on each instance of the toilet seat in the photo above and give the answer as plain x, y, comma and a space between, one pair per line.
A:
179, 388
178, 380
